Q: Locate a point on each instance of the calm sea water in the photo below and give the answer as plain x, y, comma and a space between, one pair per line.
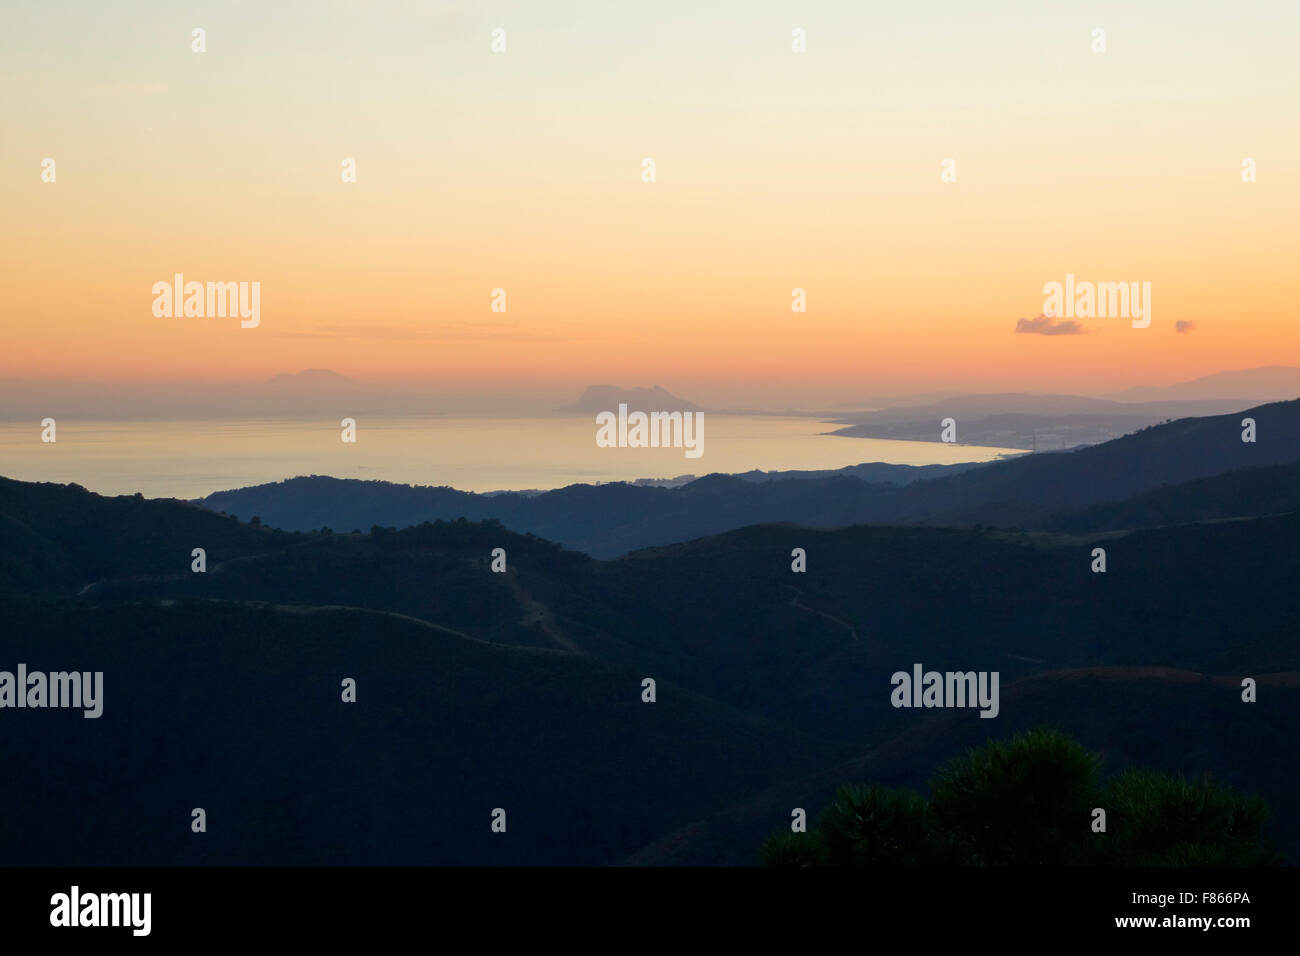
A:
189, 459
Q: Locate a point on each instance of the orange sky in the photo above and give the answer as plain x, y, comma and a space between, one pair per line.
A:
523, 171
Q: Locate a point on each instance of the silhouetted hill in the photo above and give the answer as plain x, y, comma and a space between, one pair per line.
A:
1245, 492
1022, 491
602, 520
59, 537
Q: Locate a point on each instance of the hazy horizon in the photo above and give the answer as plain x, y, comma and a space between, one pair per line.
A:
20, 399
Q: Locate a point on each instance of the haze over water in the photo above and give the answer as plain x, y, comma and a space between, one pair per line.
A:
193, 458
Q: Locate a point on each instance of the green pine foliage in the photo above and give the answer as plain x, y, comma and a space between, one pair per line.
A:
1030, 801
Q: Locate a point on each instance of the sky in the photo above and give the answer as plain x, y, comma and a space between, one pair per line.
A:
775, 170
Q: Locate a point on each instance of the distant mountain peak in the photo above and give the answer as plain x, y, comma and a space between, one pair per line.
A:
311, 376
607, 398
1266, 384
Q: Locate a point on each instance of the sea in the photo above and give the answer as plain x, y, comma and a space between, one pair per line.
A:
195, 457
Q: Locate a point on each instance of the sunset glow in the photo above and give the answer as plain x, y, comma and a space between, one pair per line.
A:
523, 172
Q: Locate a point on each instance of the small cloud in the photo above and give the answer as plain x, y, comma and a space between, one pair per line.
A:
1182, 327
1046, 325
